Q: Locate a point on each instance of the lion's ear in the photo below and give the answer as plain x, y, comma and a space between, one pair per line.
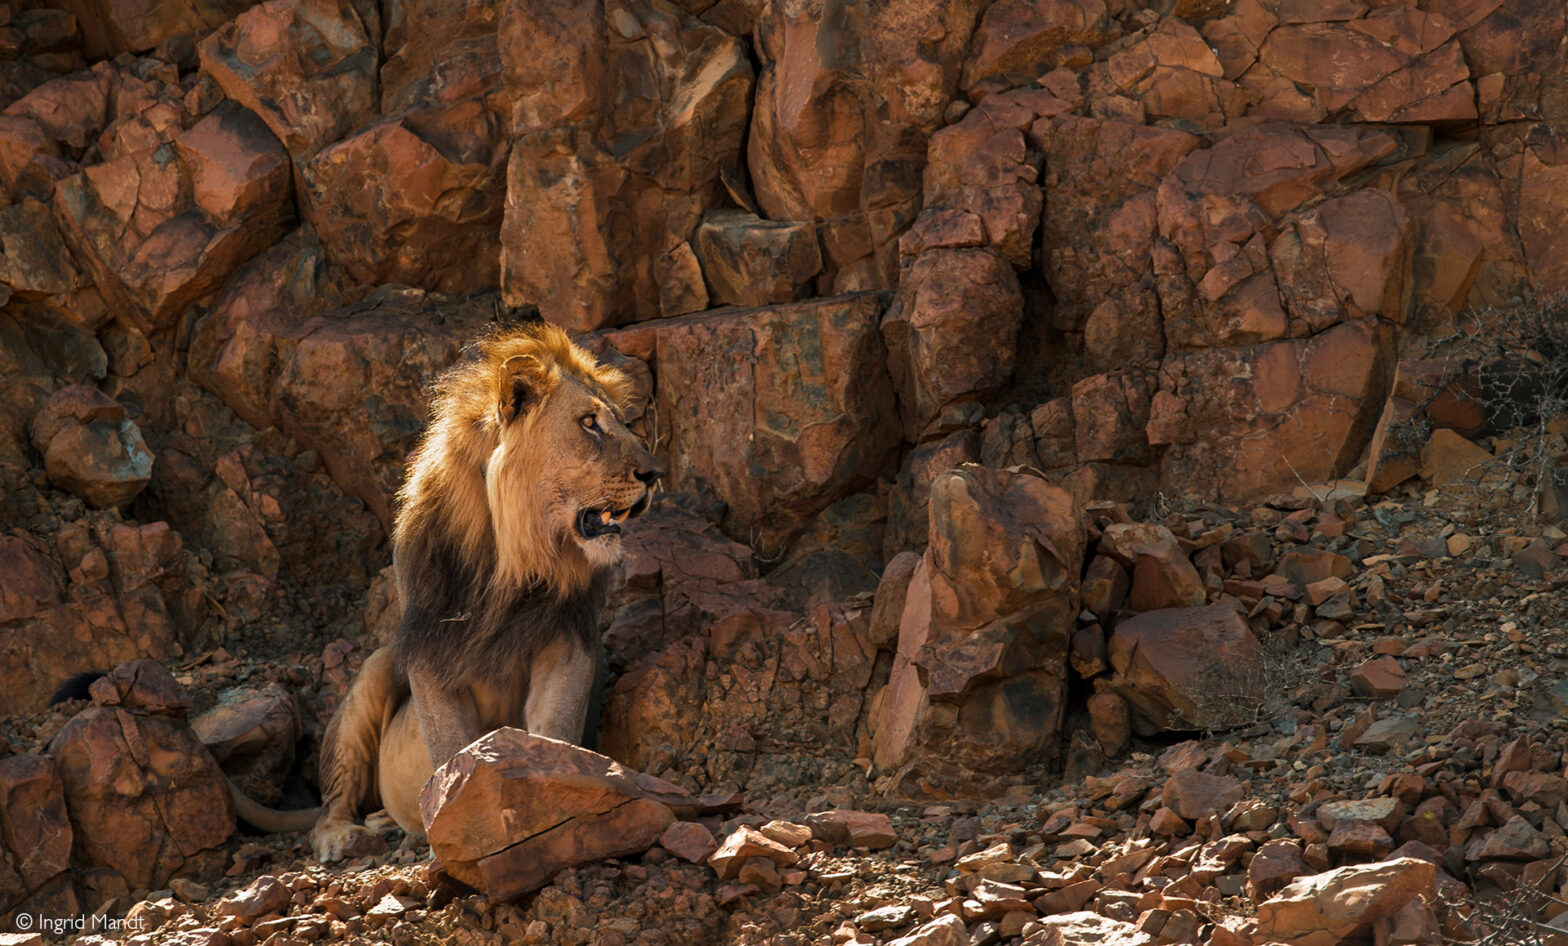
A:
524, 383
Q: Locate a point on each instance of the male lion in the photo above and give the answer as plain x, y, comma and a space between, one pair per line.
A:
507, 531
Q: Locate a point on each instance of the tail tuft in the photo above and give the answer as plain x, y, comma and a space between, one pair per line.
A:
77, 687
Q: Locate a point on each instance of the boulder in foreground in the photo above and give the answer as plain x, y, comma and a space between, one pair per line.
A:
514, 809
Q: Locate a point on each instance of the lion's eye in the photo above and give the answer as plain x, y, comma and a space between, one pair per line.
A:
590, 422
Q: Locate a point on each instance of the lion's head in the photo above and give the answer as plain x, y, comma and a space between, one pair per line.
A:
527, 464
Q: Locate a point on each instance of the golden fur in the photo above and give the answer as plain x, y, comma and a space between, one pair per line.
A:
507, 530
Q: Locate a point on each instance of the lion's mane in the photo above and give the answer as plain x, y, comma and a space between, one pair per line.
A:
481, 575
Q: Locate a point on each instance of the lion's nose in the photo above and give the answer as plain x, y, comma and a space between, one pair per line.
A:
649, 475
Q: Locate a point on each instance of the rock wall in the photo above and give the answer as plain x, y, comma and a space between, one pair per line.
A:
1115, 247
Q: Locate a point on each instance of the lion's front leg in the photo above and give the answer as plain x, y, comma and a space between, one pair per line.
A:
447, 721
559, 688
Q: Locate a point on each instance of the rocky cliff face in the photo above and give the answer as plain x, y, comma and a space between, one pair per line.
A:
1186, 247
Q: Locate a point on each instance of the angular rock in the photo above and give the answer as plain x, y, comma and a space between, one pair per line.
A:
159, 228
513, 809
414, 198
111, 27
1016, 37
35, 832
1194, 794
1514, 841
91, 448
1449, 458
307, 68
689, 841
1100, 221
1091, 929
252, 733
1163, 577
1380, 678
1187, 668
741, 846
349, 382
943, 931
1109, 721
840, 126
951, 333
749, 261
858, 829
1274, 865
978, 682
625, 118
1342, 904
800, 393
147, 800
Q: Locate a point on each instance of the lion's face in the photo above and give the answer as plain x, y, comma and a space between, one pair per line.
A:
587, 473
605, 474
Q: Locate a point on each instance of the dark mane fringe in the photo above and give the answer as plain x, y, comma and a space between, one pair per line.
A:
455, 631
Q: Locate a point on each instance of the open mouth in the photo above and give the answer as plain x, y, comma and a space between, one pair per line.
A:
594, 523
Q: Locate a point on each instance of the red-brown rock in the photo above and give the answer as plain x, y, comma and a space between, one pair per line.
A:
798, 391
866, 830
91, 448
1016, 37
110, 27
159, 228
413, 199
35, 837
841, 119
1331, 907
741, 846
749, 261
146, 798
951, 333
1380, 678
1275, 864
252, 732
513, 809
689, 841
1187, 668
624, 120
985, 630
307, 68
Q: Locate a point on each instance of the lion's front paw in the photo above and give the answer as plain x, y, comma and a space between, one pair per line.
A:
334, 841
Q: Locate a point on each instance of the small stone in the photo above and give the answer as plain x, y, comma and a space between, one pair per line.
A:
689, 841
860, 829
1380, 678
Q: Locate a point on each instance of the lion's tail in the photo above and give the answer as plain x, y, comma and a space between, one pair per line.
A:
270, 820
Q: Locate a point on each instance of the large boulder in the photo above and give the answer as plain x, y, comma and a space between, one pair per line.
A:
111, 27
307, 68
147, 800
1341, 905
348, 382
798, 397
847, 98
752, 687
513, 809
159, 228
35, 839
1187, 668
626, 119
979, 680
952, 333
107, 607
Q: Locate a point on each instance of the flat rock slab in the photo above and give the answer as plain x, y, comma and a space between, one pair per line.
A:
514, 809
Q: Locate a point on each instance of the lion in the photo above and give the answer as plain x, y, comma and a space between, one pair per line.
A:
506, 537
